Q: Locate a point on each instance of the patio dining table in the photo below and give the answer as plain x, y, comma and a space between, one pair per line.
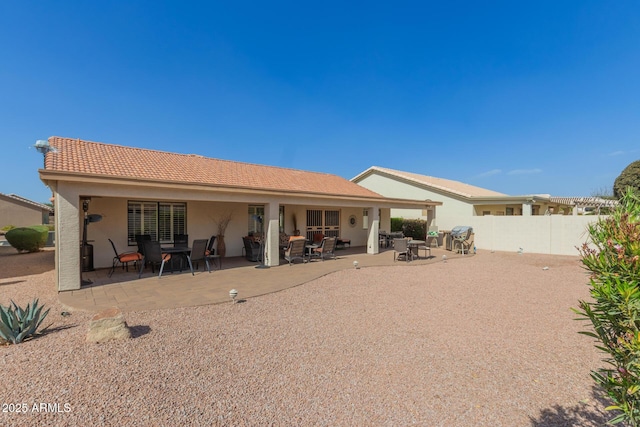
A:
414, 245
180, 250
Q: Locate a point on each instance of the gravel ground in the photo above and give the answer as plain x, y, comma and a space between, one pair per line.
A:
488, 340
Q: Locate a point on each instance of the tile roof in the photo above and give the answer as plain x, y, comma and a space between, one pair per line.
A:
447, 185
108, 160
27, 201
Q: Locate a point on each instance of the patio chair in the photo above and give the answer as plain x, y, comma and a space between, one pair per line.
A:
140, 239
401, 248
154, 255
326, 249
180, 240
123, 258
198, 253
295, 250
252, 249
210, 253
317, 238
463, 241
426, 248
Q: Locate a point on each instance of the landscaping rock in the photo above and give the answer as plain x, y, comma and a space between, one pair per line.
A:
108, 325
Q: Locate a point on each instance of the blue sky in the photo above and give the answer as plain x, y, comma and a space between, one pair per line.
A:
517, 97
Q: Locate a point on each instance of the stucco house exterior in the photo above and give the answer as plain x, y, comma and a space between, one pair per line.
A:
137, 190
458, 199
536, 223
21, 212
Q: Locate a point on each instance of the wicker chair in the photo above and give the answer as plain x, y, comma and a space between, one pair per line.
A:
252, 249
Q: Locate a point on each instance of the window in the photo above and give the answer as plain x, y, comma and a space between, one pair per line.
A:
326, 222
365, 219
161, 220
256, 219
509, 211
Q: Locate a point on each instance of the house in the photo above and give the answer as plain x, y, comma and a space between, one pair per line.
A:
458, 199
118, 192
535, 222
20, 212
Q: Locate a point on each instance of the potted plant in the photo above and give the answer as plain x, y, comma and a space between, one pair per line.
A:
296, 231
223, 222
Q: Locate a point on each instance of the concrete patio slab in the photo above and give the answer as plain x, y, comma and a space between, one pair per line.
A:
181, 289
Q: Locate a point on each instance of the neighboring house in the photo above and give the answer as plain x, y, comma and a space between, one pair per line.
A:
500, 221
21, 212
458, 199
139, 191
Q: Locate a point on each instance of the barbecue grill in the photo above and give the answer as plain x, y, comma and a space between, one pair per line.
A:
455, 233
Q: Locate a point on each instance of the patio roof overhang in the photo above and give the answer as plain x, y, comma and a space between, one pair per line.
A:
123, 186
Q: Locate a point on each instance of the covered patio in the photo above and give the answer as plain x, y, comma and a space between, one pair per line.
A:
124, 289
108, 192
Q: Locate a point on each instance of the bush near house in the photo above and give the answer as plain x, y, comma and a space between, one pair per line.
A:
28, 239
614, 264
416, 228
396, 224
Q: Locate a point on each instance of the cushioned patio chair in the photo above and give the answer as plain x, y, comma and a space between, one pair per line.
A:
317, 238
326, 249
123, 258
295, 250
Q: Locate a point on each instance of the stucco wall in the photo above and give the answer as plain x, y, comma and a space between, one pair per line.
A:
547, 234
397, 189
19, 215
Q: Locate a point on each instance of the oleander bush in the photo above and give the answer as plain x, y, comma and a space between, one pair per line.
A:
613, 258
28, 239
18, 324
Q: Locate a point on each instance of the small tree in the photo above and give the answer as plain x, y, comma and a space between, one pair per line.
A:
614, 262
630, 177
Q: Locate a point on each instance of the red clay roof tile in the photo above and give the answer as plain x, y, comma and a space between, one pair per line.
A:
108, 160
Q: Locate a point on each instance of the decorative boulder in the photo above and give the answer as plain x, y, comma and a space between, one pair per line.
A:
108, 325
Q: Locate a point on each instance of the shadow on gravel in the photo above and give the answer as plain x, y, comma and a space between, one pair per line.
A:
582, 414
139, 330
15, 264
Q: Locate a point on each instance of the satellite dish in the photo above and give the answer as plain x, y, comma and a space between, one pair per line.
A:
42, 145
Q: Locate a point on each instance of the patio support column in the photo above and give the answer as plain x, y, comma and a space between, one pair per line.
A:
373, 237
272, 224
526, 209
67, 257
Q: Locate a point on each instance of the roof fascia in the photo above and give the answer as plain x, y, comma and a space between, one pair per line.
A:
47, 177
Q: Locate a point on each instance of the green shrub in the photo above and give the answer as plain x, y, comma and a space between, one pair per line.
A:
29, 239
614, 262
396, 224
415, 228
17, 324
7, 227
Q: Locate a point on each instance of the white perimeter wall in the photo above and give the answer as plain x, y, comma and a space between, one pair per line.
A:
544, 234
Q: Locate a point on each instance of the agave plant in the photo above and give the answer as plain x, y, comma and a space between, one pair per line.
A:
17, 323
